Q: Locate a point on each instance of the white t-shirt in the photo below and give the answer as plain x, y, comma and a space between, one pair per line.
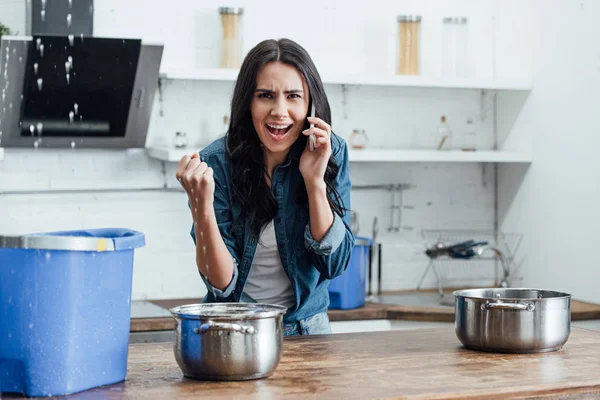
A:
267, 282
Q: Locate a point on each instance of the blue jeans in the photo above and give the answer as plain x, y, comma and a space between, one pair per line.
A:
318, 324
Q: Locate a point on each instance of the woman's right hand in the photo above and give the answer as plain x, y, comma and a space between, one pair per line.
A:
196, 177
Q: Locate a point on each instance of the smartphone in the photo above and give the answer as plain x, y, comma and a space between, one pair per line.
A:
312, 136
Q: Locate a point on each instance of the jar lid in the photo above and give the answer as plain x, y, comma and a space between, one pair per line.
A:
455, 20
231, 10
409, 18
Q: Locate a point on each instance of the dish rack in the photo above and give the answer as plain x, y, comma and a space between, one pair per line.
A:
467, 257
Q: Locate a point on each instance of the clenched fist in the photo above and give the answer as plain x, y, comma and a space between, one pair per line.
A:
196, 177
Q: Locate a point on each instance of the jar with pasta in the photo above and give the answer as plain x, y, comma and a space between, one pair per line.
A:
231, 45
408, 44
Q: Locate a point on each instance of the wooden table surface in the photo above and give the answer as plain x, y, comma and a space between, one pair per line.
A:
415, 364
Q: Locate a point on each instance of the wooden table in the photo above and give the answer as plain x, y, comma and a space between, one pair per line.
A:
416, 364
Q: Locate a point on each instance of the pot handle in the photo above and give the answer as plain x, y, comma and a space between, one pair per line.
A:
498, 305
224, 326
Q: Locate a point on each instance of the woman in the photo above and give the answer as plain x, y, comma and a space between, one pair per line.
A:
271, 217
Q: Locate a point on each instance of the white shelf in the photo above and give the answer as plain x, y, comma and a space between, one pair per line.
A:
170, 154
217, 74
386, 155
408, 155
208, 74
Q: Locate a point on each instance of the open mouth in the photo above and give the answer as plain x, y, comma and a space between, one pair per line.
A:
278, 131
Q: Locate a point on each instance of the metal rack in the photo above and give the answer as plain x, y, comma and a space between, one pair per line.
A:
492, 264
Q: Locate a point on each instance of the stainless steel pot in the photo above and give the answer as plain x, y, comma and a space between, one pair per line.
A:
228, 341
515, 320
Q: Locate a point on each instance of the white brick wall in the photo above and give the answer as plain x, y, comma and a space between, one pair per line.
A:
444, 196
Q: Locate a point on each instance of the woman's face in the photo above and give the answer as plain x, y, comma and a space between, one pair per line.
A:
279, 107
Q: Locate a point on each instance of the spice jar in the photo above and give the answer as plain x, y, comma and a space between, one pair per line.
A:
358, 139
408, 41
231, 45
470, 136
180, 141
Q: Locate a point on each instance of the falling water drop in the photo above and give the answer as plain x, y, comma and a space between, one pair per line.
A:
81, 36
32, 129
36, 144
67, 67
3, 95
69, 18
14, 50
70, 3
38, 41
35, 68
40, 81
10, 106
91, 8
68, 79
43, 15
71, 116
72, 145
41, 50
43, 3
76, 108
20, 59
39, 126
71, 40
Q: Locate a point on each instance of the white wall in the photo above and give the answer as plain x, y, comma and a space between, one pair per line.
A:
555, 202
444, 196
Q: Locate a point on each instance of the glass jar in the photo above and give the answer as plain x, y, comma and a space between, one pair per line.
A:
444, 135
180, 141
231, 45
455, 56
358, 139
408, 44
470, 136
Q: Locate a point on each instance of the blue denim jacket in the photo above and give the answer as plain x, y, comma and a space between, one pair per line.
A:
309, 264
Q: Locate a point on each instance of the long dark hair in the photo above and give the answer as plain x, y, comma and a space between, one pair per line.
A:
248, 169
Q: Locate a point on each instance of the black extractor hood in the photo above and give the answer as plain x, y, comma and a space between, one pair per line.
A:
63, 91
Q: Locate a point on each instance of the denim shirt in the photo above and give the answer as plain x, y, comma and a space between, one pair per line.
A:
310, 264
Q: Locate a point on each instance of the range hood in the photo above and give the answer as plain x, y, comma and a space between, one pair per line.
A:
67, 91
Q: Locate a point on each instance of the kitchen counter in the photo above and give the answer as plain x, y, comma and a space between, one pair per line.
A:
417, 364
154, 315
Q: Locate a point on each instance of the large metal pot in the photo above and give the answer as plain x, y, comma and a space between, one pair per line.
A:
228, 341
515, 320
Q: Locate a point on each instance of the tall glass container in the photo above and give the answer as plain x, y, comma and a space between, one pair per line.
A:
408, 44
231, 45
455, 56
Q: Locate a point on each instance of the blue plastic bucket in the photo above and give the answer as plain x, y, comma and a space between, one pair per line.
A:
348, 290
65, 301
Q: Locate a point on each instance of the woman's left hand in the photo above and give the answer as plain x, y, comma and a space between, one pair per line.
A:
314, 163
